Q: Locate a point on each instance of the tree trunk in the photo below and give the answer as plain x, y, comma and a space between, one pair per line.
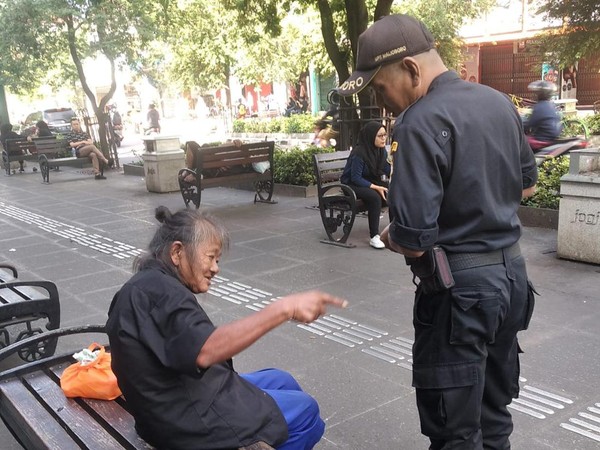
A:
99, 108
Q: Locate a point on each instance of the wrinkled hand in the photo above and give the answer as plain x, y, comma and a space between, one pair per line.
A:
308, 306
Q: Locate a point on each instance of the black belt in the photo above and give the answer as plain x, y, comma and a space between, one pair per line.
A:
461, 261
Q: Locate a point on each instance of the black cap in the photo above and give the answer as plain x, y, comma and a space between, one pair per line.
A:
389, 39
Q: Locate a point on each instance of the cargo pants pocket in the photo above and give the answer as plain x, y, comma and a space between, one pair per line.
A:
475, 315
448, 397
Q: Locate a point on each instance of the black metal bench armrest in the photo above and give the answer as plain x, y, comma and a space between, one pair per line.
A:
28, 342
347, 191
13, 269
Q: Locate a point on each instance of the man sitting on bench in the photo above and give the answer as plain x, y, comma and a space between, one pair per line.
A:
83, 145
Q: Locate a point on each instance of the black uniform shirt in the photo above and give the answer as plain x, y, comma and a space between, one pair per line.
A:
156, 329
461, 162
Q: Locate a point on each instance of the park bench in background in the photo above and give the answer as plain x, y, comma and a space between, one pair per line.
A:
338, 204
50, 151
18, 150
24, 307
229, 165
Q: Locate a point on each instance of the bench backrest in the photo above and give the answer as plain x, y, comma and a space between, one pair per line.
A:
19, 147
329, 167
49, 145
231, 156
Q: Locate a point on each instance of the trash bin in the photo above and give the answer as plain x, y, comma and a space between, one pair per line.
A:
162, 160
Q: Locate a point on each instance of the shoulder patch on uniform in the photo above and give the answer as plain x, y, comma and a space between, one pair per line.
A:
394, 147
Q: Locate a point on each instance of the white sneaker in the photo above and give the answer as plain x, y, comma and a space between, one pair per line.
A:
375, 242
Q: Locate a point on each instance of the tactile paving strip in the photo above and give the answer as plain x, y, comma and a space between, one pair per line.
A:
77, 235
587, 423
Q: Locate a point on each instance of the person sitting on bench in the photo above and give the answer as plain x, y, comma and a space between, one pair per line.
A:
83, 145
174, 365
6, 132
192, 150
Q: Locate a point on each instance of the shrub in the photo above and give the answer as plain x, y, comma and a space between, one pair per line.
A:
239, 126
297, 123
547, 193
295, 166
593, 123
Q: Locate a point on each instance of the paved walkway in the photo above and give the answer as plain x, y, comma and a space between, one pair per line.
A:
83, 234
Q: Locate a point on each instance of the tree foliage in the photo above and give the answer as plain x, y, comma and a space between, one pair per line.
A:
40, 37
578, 37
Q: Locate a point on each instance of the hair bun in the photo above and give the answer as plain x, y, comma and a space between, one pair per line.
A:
162, 214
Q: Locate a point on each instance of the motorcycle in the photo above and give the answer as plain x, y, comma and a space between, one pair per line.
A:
559, 148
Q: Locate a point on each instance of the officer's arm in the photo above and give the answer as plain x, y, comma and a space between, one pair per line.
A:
389, 243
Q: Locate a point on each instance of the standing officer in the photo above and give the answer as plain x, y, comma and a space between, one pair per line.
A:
461, 165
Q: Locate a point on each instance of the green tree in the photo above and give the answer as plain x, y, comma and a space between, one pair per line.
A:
342, 22
207, 52
38, 37
579, 35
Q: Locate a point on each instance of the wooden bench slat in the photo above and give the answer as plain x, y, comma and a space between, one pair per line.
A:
232, 179
31, 422
116, 417
69, 413
11, 295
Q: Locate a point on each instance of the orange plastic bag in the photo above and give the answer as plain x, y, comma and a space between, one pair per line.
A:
92, 380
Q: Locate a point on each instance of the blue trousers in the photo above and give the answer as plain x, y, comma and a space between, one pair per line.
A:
301, 411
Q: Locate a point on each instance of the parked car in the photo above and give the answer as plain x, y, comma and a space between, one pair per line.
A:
58, 120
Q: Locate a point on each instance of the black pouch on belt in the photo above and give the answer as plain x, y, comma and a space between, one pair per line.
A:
433, 270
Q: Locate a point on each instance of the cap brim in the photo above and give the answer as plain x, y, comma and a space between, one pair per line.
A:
359, 80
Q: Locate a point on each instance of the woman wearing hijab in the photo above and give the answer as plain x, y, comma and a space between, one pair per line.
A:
367, 172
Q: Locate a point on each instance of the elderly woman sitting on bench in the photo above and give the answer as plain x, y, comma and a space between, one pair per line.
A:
174, 365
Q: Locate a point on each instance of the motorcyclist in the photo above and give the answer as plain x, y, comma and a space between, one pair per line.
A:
543, 126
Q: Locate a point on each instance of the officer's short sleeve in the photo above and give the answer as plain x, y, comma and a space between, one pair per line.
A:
416, 188
528, 165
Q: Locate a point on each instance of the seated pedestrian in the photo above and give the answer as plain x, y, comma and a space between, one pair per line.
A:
174, 365
192, 152
42, 129
367, 171
6, 132
83, 146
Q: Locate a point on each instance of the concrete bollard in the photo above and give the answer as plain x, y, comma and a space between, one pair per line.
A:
579, 210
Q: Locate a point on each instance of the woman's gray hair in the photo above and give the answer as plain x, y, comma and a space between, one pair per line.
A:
189, 226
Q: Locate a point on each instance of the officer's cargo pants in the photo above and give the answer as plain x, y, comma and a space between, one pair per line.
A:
465, 355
